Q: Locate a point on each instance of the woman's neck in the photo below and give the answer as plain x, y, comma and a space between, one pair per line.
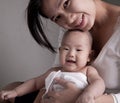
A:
103, 28
105, 12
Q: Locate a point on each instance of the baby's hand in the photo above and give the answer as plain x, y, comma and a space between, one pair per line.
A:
85, 98
5, 95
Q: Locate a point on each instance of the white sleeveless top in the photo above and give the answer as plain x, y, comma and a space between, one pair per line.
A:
108, 61
78, 78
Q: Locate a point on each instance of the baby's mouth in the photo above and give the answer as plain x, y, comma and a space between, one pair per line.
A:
70, 61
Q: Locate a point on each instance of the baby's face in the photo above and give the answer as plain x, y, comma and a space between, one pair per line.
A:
71, 14
74, 51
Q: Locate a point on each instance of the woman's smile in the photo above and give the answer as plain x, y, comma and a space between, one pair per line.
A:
80, 22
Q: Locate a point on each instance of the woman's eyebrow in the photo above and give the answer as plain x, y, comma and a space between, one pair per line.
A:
57, 5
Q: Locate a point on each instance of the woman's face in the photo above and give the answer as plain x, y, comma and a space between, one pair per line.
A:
71, 14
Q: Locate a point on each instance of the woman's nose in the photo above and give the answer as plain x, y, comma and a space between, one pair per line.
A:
68, 17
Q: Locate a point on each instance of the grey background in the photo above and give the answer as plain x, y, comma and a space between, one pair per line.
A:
21, 58
116, 2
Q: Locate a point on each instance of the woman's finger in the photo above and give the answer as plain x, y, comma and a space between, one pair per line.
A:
64, 83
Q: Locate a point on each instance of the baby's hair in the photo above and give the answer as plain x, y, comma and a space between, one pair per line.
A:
77, 30
35, 25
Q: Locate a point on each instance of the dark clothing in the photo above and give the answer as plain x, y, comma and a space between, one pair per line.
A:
28, 98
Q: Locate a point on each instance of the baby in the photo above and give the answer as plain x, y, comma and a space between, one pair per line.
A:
75, 56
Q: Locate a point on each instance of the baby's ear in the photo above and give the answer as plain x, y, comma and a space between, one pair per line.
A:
59, 49
91, 56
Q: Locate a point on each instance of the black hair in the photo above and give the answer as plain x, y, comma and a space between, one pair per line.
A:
35, 25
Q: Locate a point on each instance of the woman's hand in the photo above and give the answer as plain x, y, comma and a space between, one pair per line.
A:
85, 97
68, 95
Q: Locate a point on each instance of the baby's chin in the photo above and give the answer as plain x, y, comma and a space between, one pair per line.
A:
70, 69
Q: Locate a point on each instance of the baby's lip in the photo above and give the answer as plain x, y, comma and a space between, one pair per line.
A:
70, 61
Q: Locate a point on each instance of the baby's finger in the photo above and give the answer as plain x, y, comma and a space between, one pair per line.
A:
3, 94
6, 95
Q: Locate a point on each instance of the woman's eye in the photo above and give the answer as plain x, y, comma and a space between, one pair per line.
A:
57, 18
66, 3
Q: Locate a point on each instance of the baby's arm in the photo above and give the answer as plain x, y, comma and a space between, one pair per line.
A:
27, 87
95, 87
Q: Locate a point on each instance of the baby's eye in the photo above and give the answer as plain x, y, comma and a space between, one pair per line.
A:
66, 48
78, 50
66, 3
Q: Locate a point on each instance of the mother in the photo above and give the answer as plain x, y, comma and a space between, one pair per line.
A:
103, 21
100, 18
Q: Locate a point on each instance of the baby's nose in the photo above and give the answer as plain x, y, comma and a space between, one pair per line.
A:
71, 53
